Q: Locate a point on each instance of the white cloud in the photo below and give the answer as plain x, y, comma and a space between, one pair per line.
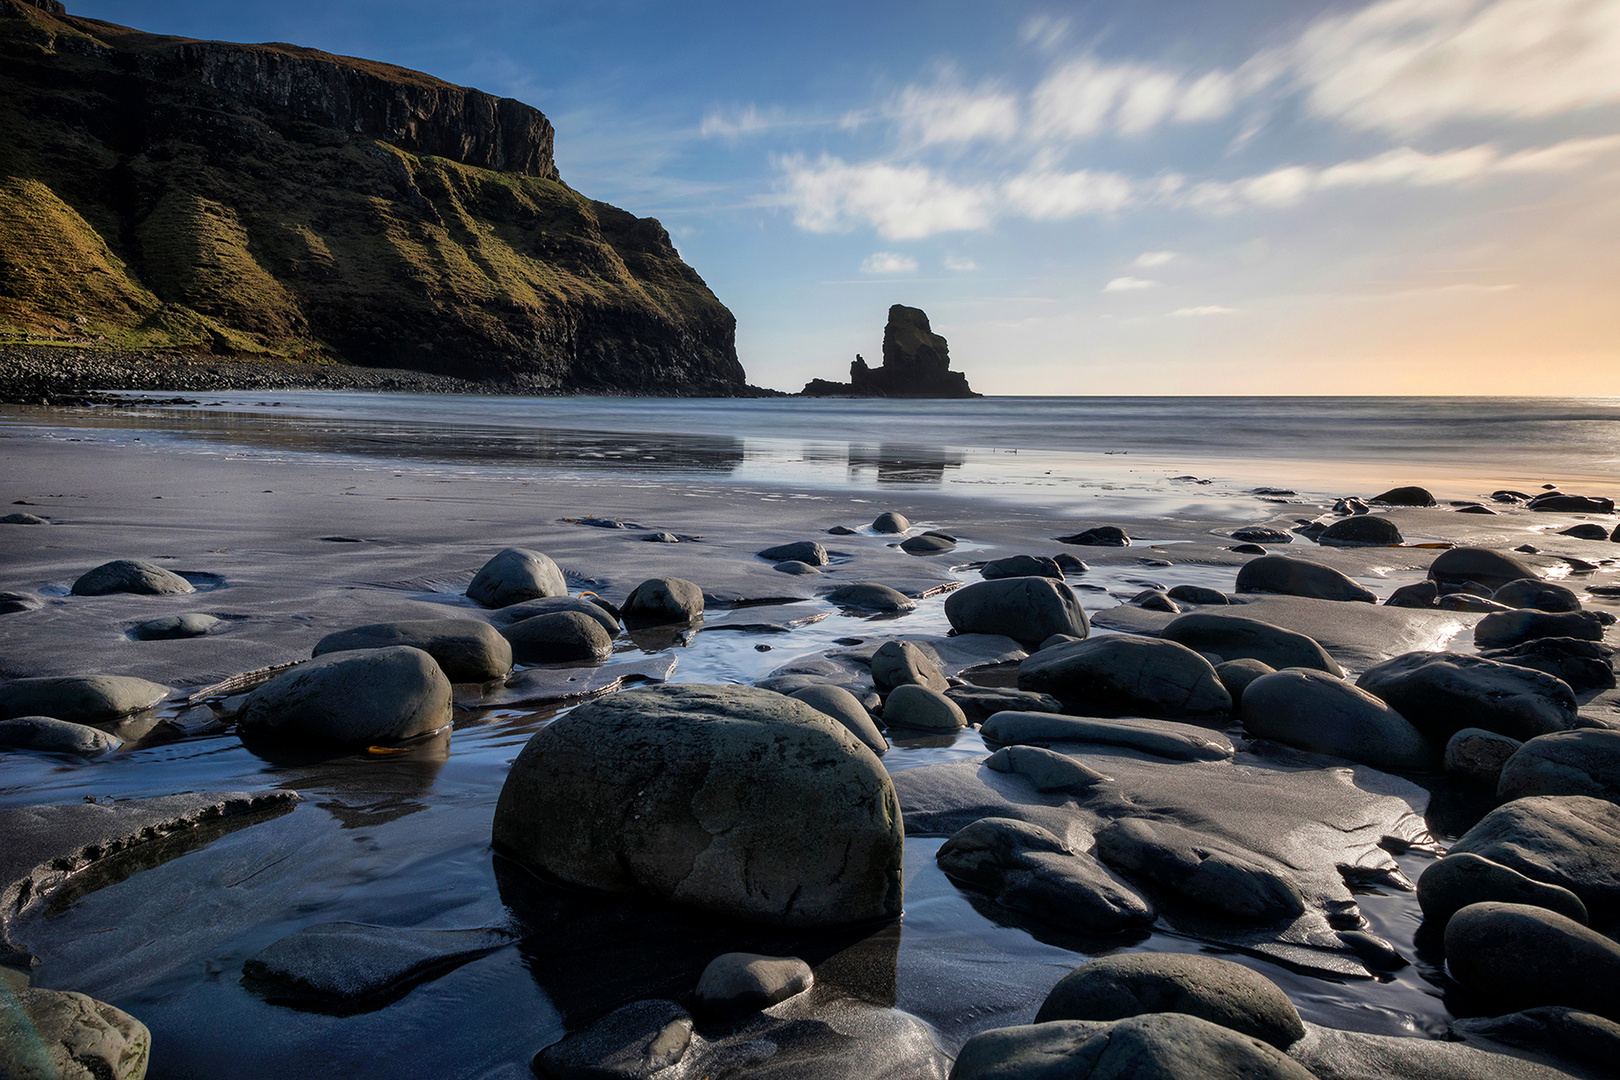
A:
1045, 31
1201, 311
1149, 259
888, 262
1085, 97
731, 125
960, 263
945, 114
1046, 196
1128, 284
900, 202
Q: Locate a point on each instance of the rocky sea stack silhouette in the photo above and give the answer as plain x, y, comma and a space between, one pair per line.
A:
916, 364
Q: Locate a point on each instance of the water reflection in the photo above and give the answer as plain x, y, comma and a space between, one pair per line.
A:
903, 464
360, 790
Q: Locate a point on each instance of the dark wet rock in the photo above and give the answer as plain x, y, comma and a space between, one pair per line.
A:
738, 801
1492, 569
1369, 530
1350, 1055
1468, 602
61, 1035
1021, 566
11, 603
1201, 869
1586, 530
1478, 755
130, 576
1504, 629
1376, 952
80, 699
1101, 536
23, 519
467, 650
1154, 600
891, 522
1158, 1046
871, 596
562, 637
1572, 841
806, 551
1259, 534
899, 663
662, 602
546, 605
795, 569
634, 1042
1069, 564
1134, 984
1351, 506
1462, 878
1590, 1038
1582, 762
1507, 495
979, 703
1046, 770
661, 538
847, 709
1517, 956
1124, 675
45, 734
515, 575
1056, 640
1310, 530
1314, 711
1584, 665
922, 709
1197, 594
349, 962
842, 530
1237, 675
1442, 693
1405, 496
928, 543
1162, 738
1538, 594
174, 627
1297, 577
736, 984
1476, 508
1572, 504
1027, 609
1250, 549
1233, 637
368, 696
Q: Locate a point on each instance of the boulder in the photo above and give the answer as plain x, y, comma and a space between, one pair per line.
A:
345, 962
1366, 530
1237, 675
738, 801
1405, 496
736, 984
1046, 770
902, 663
13, 602
871, 596
923, 709
1517, 956
81, 699
928, 544
1503, 629
47, 735
634, 1042
1559, 1032
1559, 502
1233, 637
847, 709
891, 522
1572, 841
1121, 675
1419, 594
1133, 984
1351, 505
61, 1035
1586, 530
562, 637
1260, 534
1584, 665
174, 627
1462, 878
359, 698
979, 703
1197, 594
795, 569
1161, 738
1155, 600
1442, 693
596, 608
1026, 609
1478, 755
467, 650
130, 576
1492, 569
662, 602
515, 575
1101, 536
804, 551
1021, 566
1201, 869
23, 519
1581, 762
1158, 1046
1314, 711
1069, 564
1297, 577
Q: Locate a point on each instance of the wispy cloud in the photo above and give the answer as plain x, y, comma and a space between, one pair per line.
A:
948, 114
1201, 311
1150, 259
961, 264
1128, 284
732, 124
888, 262
899, 202
1045, 196
1044, 31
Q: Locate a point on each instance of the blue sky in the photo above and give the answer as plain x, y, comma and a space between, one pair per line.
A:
1115, 196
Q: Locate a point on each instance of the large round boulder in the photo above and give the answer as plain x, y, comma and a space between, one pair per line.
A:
1442, 693
1122, 675
562, 637
1021, 566
1233, 637
1312, 710
1538, 594
1481, 566
1581, 762
662, 602
1157, 1046
596, 608
1364, 530
1027, 609
1572, 841
515, 575
130, 576
368, 696
1299, 577
922, 709
466, 650
47, 735
732, 799
1462, 878
891, 522
1504, 629
870, 596
1410, 495
81, 699
1517, 956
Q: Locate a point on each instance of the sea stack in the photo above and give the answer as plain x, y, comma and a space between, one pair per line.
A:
916, 364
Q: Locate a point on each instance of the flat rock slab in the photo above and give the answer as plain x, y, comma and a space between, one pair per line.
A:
1351, 1055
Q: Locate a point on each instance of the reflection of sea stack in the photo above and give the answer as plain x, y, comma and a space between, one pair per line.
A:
916, 364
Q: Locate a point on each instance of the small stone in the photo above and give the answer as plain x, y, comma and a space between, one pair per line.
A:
1492, 569
898, 663
588, 604
515, 575
891, 522
1154, 600
979, 703
1368, 530
1405, 496
1586, 530
847, 709
1101, 536
130, 576
1298, 577
1419, 594
23, 519
1236, 675
842, 530
1259, 534
48, 735
1069, 564
174, 627
1478, 755
467, 650
1021, 566
1538, 594
1046, 770
1468, 602
1507, 628
794, 568
871, 596
634, 1042
805, 551
1250, 549
1559, 502
736, 984
1197, 594
927, 544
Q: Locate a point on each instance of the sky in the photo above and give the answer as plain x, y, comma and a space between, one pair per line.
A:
1094, 197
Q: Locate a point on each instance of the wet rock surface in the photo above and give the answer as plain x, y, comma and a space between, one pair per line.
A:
56, 1035
1120, 675
130, 576
466, 650
364, 696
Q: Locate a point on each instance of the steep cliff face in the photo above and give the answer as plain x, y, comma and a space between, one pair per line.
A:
270, 199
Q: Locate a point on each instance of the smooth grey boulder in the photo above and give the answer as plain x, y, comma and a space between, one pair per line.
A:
467, 650
1157, 1046
1563, 1031
731, 799
515, 575
1069, 564
80, 699
795, 569
1260, 534
1538, 594
633, 1042
1298, 577
1572, 841
130, 576
804, 551
1101, 536
1410, 495
349, 961
923, 709
1442, 693
871, 596
547, 605
174, 627
46, 734
1021, 566
903, 663
1197, 594
23, 519
1154, 600
1237, 675
368, 696
1315, 711
1482, 566
1121, 675
1202, 869
1161, 738
1584, 665
13, 602
1462, 878
979, 703
738, 983
1504, 629
1516, 956
1027, 609
1133, 984
61, 1035
847, 709
891, 522
1233, 637
1046, 770
662, 602
1363, 530
1572, 504
1478, 755
1419, 594
1581, 762
562, 637
928, 544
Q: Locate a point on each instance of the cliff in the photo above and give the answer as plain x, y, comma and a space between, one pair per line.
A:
916, 364
159, 192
